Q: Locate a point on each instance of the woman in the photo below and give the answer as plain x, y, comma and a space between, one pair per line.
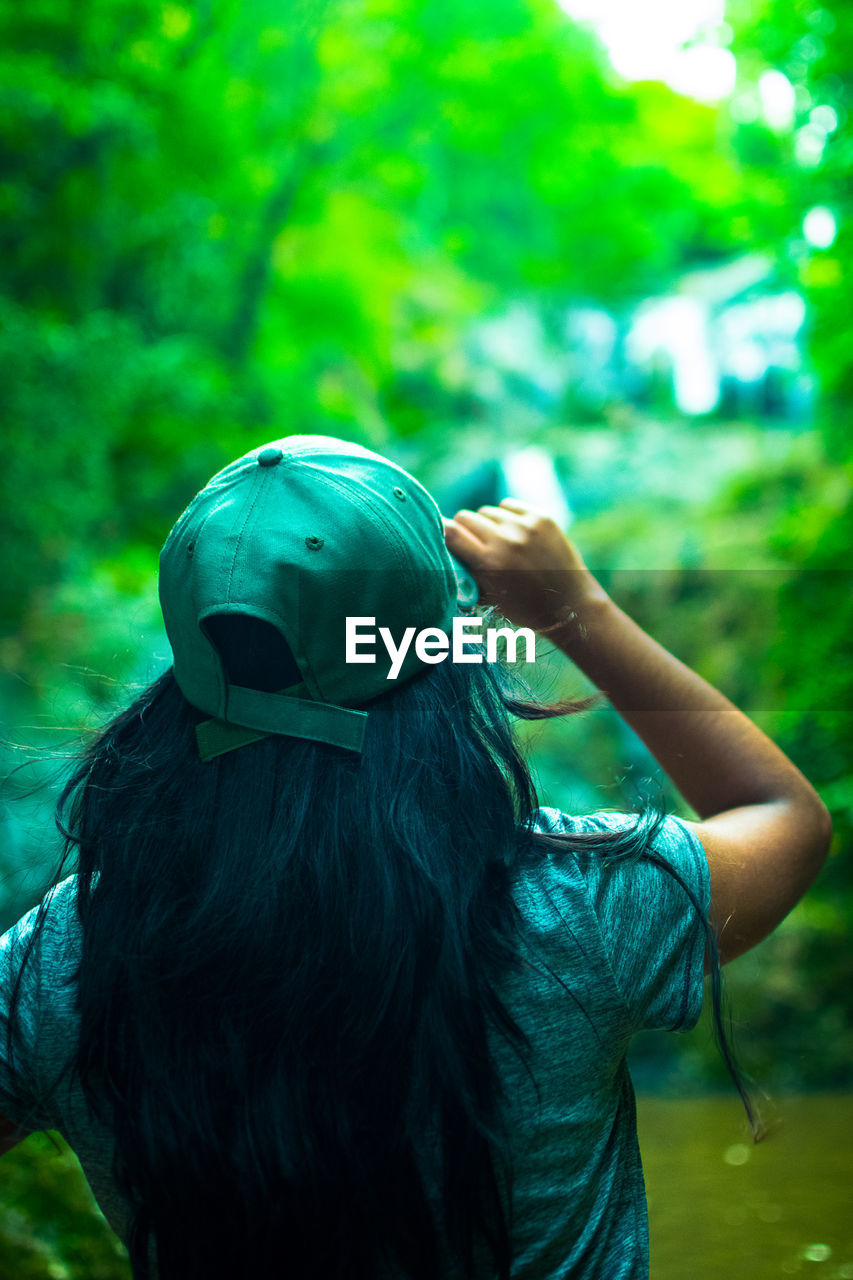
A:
329, 995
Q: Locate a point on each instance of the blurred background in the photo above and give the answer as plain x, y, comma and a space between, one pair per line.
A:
590, 254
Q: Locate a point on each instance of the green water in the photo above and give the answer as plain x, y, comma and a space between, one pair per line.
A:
720, 1208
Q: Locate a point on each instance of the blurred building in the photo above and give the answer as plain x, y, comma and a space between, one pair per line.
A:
725, 339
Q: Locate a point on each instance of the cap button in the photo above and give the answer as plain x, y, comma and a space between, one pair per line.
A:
269, 457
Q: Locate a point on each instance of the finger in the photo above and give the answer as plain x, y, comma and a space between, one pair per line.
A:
482, 528
528, 515
463, 544
492, 513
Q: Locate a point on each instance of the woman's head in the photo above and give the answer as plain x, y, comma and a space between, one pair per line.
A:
303, 535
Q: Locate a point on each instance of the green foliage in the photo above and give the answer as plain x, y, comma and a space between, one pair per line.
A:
810, 523
255, 221
50, 1228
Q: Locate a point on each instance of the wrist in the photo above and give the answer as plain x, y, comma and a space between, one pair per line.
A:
584, 615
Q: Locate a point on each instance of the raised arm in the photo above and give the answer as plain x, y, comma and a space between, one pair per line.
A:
764, 829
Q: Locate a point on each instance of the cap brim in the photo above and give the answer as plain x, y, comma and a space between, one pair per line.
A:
467, 591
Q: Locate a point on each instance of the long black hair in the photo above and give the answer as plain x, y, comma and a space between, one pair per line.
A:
291, 965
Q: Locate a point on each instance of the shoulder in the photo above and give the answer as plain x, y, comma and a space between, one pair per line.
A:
52, 923
639, 907
39, 958
673, 854
40, 955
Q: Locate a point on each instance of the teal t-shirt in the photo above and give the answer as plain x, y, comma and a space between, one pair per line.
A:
609, 947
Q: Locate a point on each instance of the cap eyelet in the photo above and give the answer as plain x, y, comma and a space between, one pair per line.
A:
313, 543
399, 493
270, 456
191, 549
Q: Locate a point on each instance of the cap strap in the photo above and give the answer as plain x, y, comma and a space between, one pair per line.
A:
253, 714
215, 737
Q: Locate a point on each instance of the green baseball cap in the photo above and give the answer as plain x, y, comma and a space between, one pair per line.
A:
303, 533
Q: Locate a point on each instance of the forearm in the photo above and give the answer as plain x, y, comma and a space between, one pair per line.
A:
716, 757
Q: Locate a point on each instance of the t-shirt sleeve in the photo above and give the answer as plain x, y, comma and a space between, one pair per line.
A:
38, 1042
650, 913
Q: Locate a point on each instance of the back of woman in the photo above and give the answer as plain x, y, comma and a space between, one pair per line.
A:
328, 994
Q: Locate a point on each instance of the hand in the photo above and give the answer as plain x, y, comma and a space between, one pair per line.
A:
523, 563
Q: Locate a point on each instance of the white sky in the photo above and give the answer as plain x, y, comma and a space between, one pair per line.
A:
645, 39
